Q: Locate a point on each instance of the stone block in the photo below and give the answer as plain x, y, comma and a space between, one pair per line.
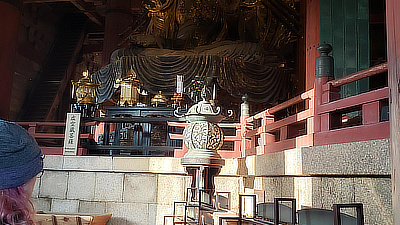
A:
54, 162
365, 157
251, 164
234, 185
328, 191
232, 167
303, 192
131, 164
128, 213
81, 185
36, 188
171, 188
270, 164
293, 161
64, 206
166, 165
272, 187
90, 163
258, 183
88, 207
373, 193
376, 196
140, 188
287, 187
53, 184
109, 187
43, 204
157, 213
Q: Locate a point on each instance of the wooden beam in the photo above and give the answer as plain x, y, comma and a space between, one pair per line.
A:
393, 53
118, 18
44, 1
312, 40
10, 16
91, 14
89, 9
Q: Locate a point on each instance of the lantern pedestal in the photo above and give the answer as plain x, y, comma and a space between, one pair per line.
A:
202, 179
203, 137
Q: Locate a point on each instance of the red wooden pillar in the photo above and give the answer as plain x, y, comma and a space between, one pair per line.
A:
10, 13
301, 52
312, 40
393, 49
118, 19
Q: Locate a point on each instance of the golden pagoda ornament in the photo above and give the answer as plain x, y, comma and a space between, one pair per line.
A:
159, 100
129, 90
84, 89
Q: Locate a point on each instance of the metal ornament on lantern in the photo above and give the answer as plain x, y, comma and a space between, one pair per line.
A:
203, 137
84, 92
129, 90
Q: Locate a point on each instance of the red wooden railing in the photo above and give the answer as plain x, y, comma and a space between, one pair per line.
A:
318, 123
50, 136
329, 108
291, 132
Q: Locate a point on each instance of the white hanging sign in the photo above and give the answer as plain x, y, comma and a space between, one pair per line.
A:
71, 137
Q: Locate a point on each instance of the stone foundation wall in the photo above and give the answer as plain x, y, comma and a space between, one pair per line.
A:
142, 190
134, 190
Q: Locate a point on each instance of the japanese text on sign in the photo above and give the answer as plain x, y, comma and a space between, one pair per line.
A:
71, 133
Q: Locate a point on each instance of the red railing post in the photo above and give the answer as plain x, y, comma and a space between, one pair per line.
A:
370, 113
32, 128
266, 137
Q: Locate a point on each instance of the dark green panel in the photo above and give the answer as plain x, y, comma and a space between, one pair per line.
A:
363, 37
338, 37
350, 45
345, 25
350, 9
363, 42
363, 10
326, 21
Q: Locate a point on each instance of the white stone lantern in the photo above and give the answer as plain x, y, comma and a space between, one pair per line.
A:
203, 137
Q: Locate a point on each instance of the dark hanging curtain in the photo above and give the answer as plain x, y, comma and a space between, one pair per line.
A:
239, 69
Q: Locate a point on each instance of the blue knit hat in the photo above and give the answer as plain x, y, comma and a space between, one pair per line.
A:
20, 156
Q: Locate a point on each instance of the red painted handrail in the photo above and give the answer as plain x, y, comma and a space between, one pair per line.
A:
265, 134
381, 68
44, 134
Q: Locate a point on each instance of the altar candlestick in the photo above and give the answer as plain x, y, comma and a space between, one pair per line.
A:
214, 94
179, 84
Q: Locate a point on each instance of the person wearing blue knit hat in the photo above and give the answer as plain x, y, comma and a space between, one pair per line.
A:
20, 161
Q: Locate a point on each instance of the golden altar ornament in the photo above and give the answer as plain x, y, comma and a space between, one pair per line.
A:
129, 90
159, 100
84, 89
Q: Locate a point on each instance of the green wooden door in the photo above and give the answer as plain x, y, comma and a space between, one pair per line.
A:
345, 25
